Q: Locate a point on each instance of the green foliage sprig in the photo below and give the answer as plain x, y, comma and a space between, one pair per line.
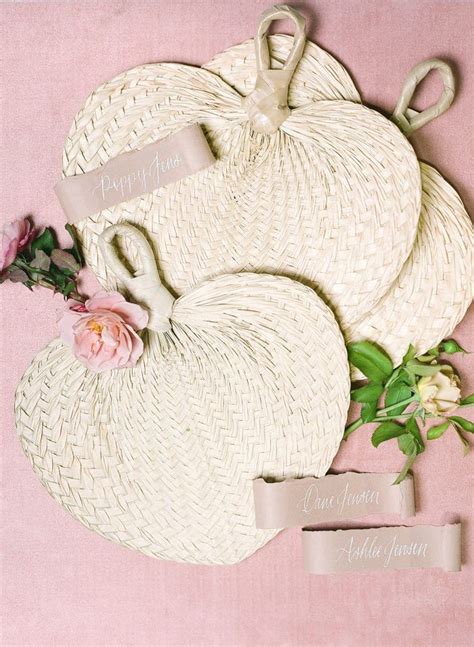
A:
42, 263
402, 391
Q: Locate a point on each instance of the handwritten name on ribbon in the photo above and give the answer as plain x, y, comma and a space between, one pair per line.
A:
143, 180
135, 173
335, 497
391, 547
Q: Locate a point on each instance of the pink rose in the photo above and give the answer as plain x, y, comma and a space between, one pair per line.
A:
101, 332
14, 237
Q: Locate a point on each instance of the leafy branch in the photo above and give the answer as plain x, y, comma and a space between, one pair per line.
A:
42, 263
417, 390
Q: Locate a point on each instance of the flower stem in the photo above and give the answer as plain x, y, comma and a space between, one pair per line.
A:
72, 295
392, 378
44, 283
412, 398
23, 265
352, 427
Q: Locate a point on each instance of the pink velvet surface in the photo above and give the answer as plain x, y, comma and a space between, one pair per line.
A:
64, 585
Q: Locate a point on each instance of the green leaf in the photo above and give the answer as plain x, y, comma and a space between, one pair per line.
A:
451, 346
370, 360
45, 242
425, 359
404, 377
466, 425
58, 278
409, 447
75, 250
405, 469
397, 392
368, 411
64, 260
437, 431
417, 368
413, 429
17, 276
407, 444
68, 288
41, 261
410, 354
463, 441
468, 399
369, 393
387, 431
395, 376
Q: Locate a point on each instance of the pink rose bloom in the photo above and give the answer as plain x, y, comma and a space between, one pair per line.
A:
102, 332
14, 237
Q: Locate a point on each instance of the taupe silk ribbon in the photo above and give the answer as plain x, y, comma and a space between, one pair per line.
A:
334, 497
388, 548
135, 173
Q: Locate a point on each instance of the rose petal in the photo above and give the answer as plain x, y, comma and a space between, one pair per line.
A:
137, 348
104, 301
8, 251
133, 314
26, 233
66, 326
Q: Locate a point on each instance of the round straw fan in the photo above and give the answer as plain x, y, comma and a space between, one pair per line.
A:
436, 285
243, 377
327, 192
434, 288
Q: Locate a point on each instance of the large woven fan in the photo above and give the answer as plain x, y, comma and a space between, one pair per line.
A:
248, 377
328, 192
435, 286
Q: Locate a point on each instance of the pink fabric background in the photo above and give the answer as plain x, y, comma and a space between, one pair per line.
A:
62, 584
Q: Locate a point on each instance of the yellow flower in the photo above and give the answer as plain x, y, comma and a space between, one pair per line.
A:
440, 393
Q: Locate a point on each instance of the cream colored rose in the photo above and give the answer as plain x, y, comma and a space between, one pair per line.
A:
440, 393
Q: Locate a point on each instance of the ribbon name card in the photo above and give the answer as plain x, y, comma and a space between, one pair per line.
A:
391, 548
338, 497
135, 173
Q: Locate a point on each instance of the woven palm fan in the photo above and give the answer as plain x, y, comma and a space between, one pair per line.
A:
436, 285
327, 192
244, 376
434, 289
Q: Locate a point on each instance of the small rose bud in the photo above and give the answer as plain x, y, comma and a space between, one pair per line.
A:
14, 237
450, 346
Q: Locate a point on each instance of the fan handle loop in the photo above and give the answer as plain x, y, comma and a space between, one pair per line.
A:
144, 285
267, 104
409, 120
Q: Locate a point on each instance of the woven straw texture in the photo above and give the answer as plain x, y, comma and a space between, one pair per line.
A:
332, 198
252, 381
318, 77
435, 286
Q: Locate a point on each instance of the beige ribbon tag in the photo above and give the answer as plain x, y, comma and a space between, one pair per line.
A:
387, 548
135, 173
335, 497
